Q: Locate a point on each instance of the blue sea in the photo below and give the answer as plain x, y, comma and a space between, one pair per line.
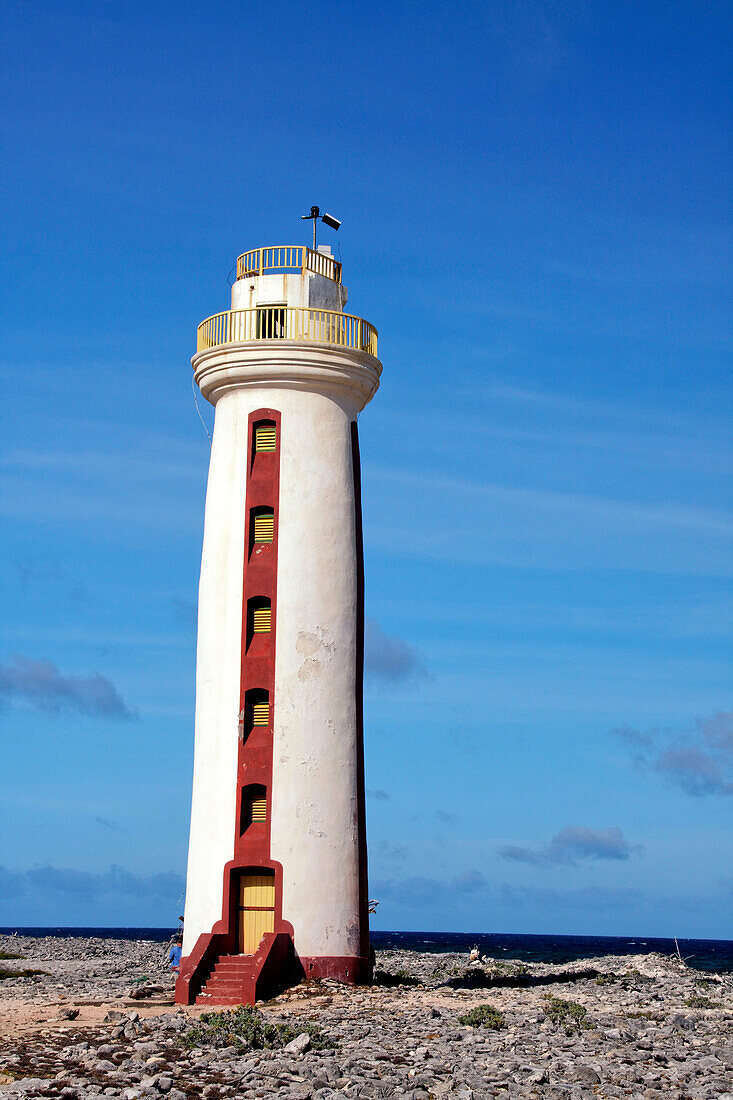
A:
715, 956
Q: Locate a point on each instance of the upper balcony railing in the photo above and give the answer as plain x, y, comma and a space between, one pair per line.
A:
323, 326
287, 258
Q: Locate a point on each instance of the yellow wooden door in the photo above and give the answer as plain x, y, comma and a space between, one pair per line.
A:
265, 438
256, 910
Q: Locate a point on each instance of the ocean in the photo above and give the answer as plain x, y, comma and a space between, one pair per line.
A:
715, 956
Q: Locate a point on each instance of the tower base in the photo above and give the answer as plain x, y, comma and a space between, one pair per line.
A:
351, 970
212, 976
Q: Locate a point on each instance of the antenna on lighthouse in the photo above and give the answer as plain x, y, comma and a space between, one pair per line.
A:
327, 219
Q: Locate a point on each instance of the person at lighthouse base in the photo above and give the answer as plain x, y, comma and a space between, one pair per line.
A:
174, 956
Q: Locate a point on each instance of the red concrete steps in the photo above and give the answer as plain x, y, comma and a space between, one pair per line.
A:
231, 982
237, 979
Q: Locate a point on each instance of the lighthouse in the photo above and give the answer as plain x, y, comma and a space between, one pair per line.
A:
277, 875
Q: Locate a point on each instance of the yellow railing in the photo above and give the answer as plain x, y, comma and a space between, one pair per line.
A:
287, 258
321, 326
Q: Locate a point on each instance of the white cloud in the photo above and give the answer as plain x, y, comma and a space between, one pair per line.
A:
573, 844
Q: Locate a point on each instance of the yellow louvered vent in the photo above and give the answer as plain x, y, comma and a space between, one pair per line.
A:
258, 809
264, 527
261, 620
265, 438
260, 714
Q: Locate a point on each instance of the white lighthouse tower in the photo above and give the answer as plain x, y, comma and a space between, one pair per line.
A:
277, 877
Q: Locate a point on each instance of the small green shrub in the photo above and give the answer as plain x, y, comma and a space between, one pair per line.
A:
568, 1014
484, 1016
625, 979
499, 969
697, 1000
13, 1072
247, 1028
28, 973
9, 955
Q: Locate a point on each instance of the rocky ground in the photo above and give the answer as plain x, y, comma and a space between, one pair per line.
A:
99, 1020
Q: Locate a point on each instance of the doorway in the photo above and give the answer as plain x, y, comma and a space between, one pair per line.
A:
256, 909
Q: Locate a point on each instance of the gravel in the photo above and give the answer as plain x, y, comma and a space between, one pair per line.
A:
644, 1027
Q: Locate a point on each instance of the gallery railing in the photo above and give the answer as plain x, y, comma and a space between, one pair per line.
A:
321, 326
287, 258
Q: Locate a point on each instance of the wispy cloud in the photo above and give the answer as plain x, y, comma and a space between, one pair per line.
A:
41, 683
442, 815
697, 759
186, 610
388, 657
416, 891
536, 38
525, 527
420, 891
126, 480
63, 883
595, 898
388, 853
470, 882
648, 514
573, 844
636, 420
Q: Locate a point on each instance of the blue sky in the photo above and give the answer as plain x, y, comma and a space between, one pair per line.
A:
536, 217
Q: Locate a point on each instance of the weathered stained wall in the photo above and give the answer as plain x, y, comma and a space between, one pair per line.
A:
314, 808
218, 656
313, 291
318, 390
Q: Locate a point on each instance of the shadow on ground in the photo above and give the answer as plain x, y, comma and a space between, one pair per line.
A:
479, 979
384, 978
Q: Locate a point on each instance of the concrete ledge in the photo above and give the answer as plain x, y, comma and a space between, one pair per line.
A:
325, 368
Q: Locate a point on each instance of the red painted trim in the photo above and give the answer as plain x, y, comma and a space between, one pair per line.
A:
353, 970
252, 846
231, 898
254, 758
195, 967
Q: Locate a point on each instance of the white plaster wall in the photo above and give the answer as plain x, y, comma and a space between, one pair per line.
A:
211, 842
314, 290
314, 806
